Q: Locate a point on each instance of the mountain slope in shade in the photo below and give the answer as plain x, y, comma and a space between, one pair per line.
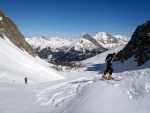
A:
16, 64
139, 45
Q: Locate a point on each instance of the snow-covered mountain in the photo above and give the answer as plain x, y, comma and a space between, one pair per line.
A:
81, 48
101, 39
110, 41
83, 92
54, 43
16, 64
88, 42
18, 59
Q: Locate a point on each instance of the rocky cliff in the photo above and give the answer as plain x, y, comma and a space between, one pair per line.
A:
9, 28
139, 45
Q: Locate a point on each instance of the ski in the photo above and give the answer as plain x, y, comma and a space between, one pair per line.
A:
115, 79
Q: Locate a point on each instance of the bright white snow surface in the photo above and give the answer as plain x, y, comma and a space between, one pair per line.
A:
53, 42
16, 64
82, 91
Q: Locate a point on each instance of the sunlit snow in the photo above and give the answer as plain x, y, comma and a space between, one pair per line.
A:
81, 92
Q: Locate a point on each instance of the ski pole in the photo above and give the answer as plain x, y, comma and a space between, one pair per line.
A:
122, 60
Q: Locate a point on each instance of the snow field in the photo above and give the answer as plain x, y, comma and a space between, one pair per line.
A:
85, 94
81, 92
16, 64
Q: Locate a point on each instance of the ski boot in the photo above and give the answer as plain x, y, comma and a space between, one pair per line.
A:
110, 77
104, 76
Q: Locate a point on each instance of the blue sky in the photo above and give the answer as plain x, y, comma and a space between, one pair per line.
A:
70, 18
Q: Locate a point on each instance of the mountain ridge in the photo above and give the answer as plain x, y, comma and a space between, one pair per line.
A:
10, 29
138, 46
83, 47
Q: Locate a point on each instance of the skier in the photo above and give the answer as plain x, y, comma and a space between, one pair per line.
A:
109, 61
25, 80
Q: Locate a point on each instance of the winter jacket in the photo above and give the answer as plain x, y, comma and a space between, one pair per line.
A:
110, 60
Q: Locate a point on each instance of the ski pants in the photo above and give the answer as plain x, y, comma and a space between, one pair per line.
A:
109, 69
25, 81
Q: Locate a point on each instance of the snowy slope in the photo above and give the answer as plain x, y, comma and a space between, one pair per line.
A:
87, 42
56, 43
82, 92
16, 64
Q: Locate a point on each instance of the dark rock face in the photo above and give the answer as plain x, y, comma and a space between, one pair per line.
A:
11, 31
139, 45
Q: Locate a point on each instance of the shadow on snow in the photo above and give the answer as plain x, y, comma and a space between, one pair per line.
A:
96, 67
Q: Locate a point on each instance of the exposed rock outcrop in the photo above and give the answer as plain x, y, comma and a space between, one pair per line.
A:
139, 45
9, 28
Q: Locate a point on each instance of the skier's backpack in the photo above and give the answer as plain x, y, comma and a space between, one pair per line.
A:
109, 55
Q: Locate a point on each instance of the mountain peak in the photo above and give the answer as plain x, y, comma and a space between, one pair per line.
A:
103, 37
148, 22
1, 12
102, 34
85, 35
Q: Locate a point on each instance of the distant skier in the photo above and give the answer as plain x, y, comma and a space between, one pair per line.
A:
25, 79
109, 61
